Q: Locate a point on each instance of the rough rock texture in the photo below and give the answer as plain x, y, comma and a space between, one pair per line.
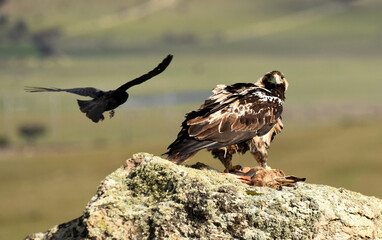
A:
152, 198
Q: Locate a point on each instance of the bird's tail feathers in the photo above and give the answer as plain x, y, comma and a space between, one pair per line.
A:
177, 158
85, 105
92, 109
184, 149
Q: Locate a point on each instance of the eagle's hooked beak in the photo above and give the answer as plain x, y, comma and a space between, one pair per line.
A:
276, 79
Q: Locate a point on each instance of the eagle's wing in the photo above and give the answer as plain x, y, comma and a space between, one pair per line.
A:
160, 68
229, 117
268, 137
87, 91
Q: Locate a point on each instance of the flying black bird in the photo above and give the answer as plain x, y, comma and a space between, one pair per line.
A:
105, 101
235, 119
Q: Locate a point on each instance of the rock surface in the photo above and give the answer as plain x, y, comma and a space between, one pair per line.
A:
152, 198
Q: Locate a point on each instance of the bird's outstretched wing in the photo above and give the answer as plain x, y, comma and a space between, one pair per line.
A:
87, 91
160, 68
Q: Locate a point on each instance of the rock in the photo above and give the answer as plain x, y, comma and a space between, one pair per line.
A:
152, 198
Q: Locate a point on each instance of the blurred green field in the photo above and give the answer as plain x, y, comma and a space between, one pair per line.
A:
46, 186
329, 51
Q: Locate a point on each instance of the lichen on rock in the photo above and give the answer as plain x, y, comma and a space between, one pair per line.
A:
152, 198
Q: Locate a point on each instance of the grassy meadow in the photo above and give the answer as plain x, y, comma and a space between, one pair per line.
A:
330, 52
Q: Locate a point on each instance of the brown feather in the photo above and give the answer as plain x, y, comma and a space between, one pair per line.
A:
240, 117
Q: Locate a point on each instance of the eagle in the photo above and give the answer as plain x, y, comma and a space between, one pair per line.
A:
234, 119
105, 100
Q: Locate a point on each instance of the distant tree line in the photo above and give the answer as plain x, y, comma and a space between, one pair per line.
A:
17, 33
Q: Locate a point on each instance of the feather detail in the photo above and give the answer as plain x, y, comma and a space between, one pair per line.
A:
242, 113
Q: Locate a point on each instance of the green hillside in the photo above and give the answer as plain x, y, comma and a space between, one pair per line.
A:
329, 51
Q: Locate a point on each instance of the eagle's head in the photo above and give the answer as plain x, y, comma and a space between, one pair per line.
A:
273, 80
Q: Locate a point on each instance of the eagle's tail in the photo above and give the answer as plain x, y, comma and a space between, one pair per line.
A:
183, 149
92, 109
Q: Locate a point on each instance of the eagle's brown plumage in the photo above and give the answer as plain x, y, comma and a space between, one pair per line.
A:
236, 118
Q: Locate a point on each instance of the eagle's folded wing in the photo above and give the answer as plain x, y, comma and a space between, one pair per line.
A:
240, 116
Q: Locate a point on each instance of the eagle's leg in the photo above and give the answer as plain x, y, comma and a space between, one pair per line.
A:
225, 157
111, 114
258, 149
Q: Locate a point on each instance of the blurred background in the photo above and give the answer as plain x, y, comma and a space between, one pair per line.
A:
52, 157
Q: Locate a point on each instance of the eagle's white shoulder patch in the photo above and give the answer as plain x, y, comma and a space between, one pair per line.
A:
219, 88
266, 98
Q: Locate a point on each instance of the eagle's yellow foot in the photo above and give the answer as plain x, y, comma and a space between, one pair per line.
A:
111, 114
233, 169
